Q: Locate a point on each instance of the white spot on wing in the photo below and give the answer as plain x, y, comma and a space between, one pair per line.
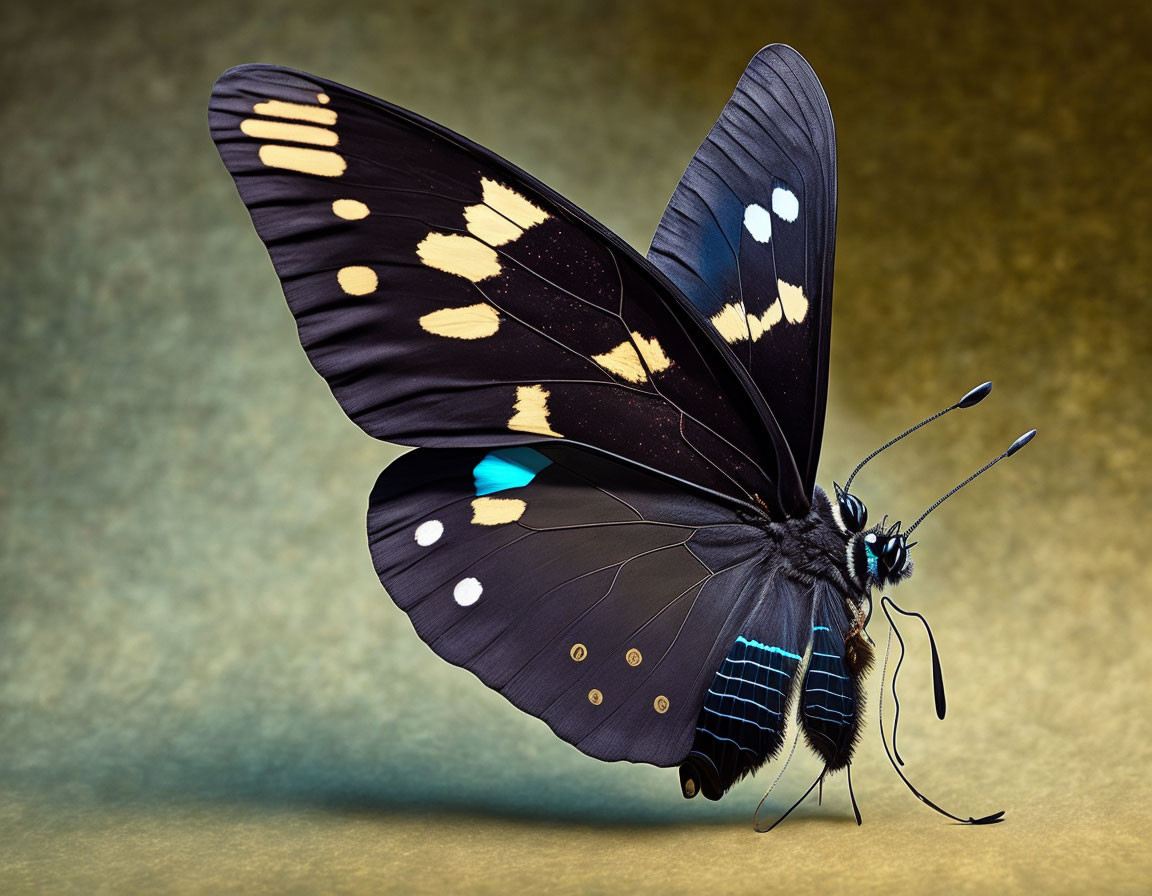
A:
429, 532
785, 204
467, 591
758, 222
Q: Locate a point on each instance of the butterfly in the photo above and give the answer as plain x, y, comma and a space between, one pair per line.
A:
610, 515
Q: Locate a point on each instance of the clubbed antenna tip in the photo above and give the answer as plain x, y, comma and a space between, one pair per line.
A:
976, 396
1020, 442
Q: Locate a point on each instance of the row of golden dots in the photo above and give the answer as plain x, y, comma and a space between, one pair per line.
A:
633, 658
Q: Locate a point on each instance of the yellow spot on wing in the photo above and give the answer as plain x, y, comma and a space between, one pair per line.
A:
794, 301
309, 161
497, 511
765, 322
463, 256
531, 411
298, 111
490, 225
264, 129
511, 204
323, 98
357, 280
731, 323
736, 326
625, 362
349, 209
471, 322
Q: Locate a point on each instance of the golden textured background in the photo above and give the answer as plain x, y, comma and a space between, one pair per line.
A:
202, 686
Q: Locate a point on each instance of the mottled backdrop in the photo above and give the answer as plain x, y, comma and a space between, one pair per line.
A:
202, 685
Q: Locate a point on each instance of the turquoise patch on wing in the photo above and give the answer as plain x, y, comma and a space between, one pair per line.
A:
507, 468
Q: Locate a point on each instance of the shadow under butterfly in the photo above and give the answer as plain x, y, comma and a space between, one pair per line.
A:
611, 516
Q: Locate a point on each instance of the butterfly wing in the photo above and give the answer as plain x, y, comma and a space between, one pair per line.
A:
749, 238
832, 694
451, 300
595, 596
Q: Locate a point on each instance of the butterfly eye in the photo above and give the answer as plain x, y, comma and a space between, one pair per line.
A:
893, 555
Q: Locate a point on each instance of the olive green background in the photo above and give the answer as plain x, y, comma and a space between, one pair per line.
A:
202, 685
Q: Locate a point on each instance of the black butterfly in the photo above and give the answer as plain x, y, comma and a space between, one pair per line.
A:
612, 517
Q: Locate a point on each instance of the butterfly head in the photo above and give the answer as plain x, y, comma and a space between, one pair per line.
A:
879, 557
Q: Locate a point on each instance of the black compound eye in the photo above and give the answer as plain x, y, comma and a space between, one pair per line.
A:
893, 554
853, 513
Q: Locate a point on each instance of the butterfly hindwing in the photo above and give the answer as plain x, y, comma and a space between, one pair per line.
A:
449, 299
749, 237
742, 720
591, 594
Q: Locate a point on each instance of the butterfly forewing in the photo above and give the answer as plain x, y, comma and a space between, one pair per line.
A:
450, 300
749, 238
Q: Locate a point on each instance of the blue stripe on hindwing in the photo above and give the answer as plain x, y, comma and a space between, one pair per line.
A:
742, 720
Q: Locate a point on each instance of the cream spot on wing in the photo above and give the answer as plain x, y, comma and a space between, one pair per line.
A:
511, 204
321, 162
323, 98
349, 209
758, 326
785, 204
794, 301
357, 280
624, 361
429, 532
490, 225
736, 326
463, 256
731, 322
298, 111
467, 591
758, 222
531, 411
471, 322
263, 129
496, 511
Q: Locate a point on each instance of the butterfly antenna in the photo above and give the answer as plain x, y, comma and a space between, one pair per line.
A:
973, 397
987, 819
795, 805
1012, 449
779, 775
895, 698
